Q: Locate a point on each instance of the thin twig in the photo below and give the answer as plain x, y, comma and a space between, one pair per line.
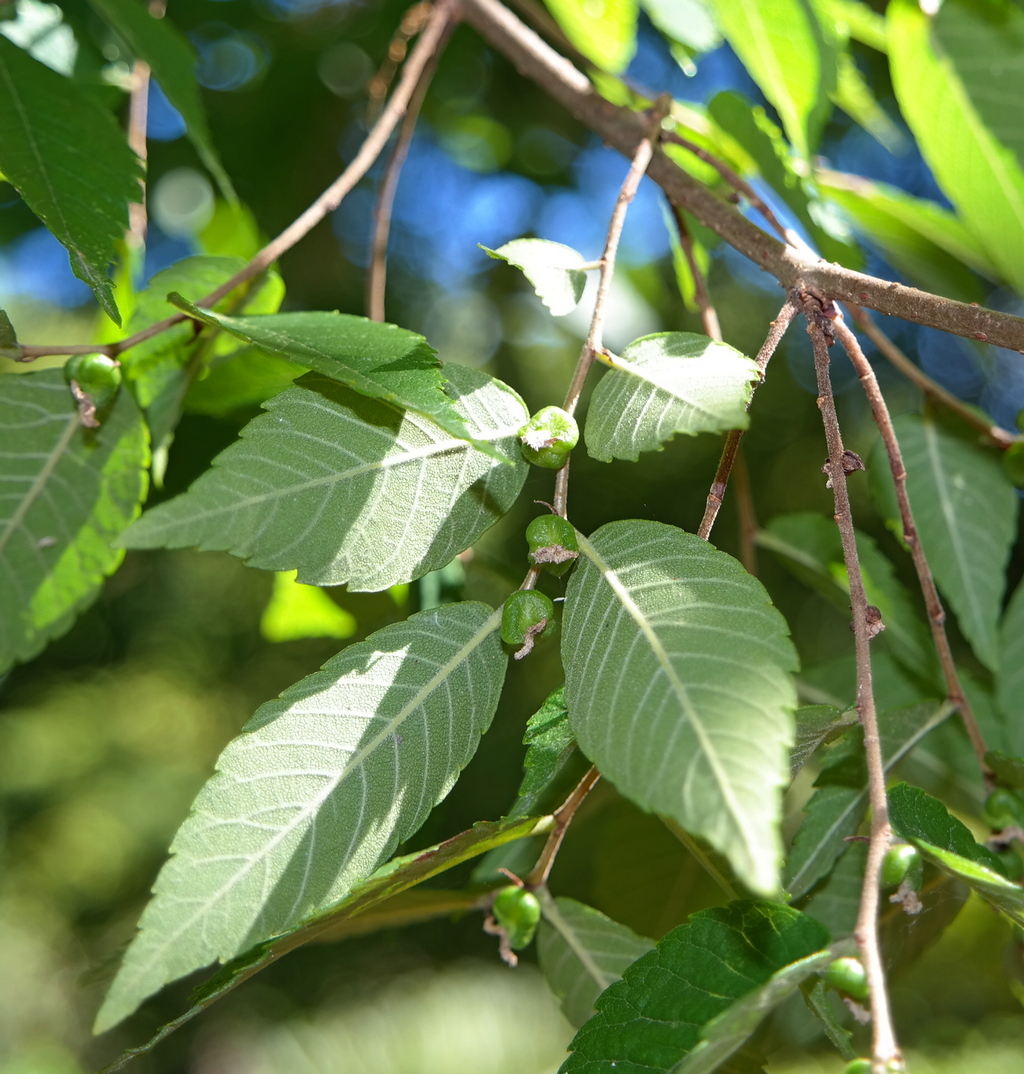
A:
440, 18
884, 1046
1000, 437
138, 109
412, 23
732, 442
595, 337
708, 313
563, 818
376, 277
933, 603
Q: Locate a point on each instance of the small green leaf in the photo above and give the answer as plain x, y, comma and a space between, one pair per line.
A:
965, 510
10, 348
1009, 770
303, 611
671, 998
317, 791
349, 489
66, 156
815, 726
172, 60
582, 952
550, 745
378, 360
679, 688
603, 30
1010, 674
673, 382
553, 269
68, 493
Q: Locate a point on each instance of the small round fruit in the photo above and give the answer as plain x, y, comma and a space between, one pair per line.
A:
900, 863
847, 975
524, 612
548, 437
552, 542
1003, 809
858, 1066
517, 911
95, 374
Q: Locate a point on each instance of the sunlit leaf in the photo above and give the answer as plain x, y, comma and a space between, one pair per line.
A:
687, 21
302, 611
10, 348
349, 489
965, 510
553, 269
582, 952
65, 493
661, 1009
673, 382
980, 176
603, 30
678, 686
172, 60
317, 791
67, 157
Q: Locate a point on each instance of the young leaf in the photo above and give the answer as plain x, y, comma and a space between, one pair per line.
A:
678, 686
66, 156
172, 59
658, 1013
380, 361
782, 46
316, 792
550, 744
982, 178
673, 382
349, 489
966, 514
553, 269
582, 952
303, 611
65, 493
605, 34
1010, 676
816, 725
10, 348
838, 805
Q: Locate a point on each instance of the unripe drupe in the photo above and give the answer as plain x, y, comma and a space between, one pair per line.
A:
901, 862
858, 1066
548, 437
526, 616
552, 542
847, 975
1004, 809
517, 911
96, 375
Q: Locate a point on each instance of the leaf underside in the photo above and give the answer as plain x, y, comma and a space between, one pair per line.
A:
316, 792
343, 488
65, 493
552, 268
679, 688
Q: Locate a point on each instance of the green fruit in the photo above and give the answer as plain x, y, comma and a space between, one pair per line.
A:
524, 612
858, 1066
1003, 809
95, 374
1013, 867
552, 542
847, 975
548, 437
902, 862
517, 911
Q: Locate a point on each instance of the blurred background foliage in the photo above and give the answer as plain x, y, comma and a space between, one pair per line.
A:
108, 735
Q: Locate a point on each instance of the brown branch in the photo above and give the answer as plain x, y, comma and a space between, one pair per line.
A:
412, 23
732, 441
1000, 437
708, 313
563, 816
624, 129
865, 626
138, 109
933, 604
595, 337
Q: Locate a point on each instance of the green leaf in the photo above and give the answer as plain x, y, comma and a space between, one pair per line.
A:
378, 360
979, 175
658, 1013
603, 30
10, 348
67, 492
553, 269
919, 238
390, 880
302, 611
317, 791
853, 94
861, 22
679, 689
349, 489
67, 157
965, 510
172, 59
815, 726
582, 952
244, 379
836, 900
1009, 770
840, 802
669, 383
782, 47
550, 745
1010, 674
687, 21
